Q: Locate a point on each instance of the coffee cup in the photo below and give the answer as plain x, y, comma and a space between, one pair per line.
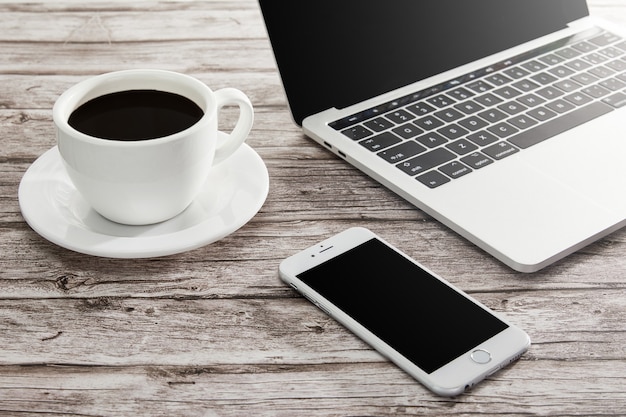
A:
138, 145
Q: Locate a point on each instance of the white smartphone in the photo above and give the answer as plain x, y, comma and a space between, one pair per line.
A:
433, 331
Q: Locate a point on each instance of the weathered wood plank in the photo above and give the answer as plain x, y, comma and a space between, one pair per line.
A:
197, 325
189, 57
314, 390
110, 23
28, 93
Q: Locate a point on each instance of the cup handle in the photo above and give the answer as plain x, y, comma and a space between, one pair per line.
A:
228, 96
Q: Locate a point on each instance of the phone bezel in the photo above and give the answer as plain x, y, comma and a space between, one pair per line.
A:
449, 380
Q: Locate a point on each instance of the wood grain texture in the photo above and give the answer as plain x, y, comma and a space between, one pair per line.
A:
213, 331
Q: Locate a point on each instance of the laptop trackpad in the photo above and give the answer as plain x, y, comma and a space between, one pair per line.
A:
589, 160
534, 208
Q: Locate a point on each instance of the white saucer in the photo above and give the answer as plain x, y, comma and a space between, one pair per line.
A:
236, 189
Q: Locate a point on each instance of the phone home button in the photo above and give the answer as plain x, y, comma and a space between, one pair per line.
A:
481, 356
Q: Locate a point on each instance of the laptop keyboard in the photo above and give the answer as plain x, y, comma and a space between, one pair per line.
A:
460, 126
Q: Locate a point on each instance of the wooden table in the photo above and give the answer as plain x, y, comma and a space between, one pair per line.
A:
213, 332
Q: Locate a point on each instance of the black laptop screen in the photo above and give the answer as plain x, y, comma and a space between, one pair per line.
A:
337, 53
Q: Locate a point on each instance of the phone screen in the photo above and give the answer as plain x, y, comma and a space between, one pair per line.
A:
415, 313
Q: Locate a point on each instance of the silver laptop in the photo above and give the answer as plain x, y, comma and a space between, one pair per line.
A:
503, 119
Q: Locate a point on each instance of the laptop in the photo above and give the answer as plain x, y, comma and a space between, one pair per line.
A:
505, 120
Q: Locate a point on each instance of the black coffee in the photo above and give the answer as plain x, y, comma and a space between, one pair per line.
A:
135, 115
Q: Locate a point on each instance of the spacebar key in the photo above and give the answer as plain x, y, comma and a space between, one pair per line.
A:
558, 125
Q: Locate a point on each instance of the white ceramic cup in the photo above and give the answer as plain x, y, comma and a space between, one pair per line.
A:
147, 181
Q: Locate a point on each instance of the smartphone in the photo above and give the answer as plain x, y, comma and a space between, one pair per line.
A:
433, 331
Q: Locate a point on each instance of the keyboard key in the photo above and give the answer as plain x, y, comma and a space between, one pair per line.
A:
551, 59
473, 123
488, 100
407, 131
493, 115
500, 150
558, 125
357, 132
604, 39
584, 46
461, 147
595, 58
602, 72
549, 93
567, 53
469, 107
567, 86
432, 140
617, 65
596, 91
584, 78
400, 116
455, 169
507, 92
578, 65
379, 142
512, 107
476, 160
452, 131
544, 78
560, 106
479, 86
526, 85
482, 138
531, 100
498, 79
616, 100
503, 130
428, 122
449, 115
541, 113
433, 179
441, 101
378, 124
561, 71
516, 72
522, 121
420, 109
426, 161
534, 66
578, 98
460, 93
402, 151
611, 52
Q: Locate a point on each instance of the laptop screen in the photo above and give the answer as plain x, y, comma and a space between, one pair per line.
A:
335, 53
